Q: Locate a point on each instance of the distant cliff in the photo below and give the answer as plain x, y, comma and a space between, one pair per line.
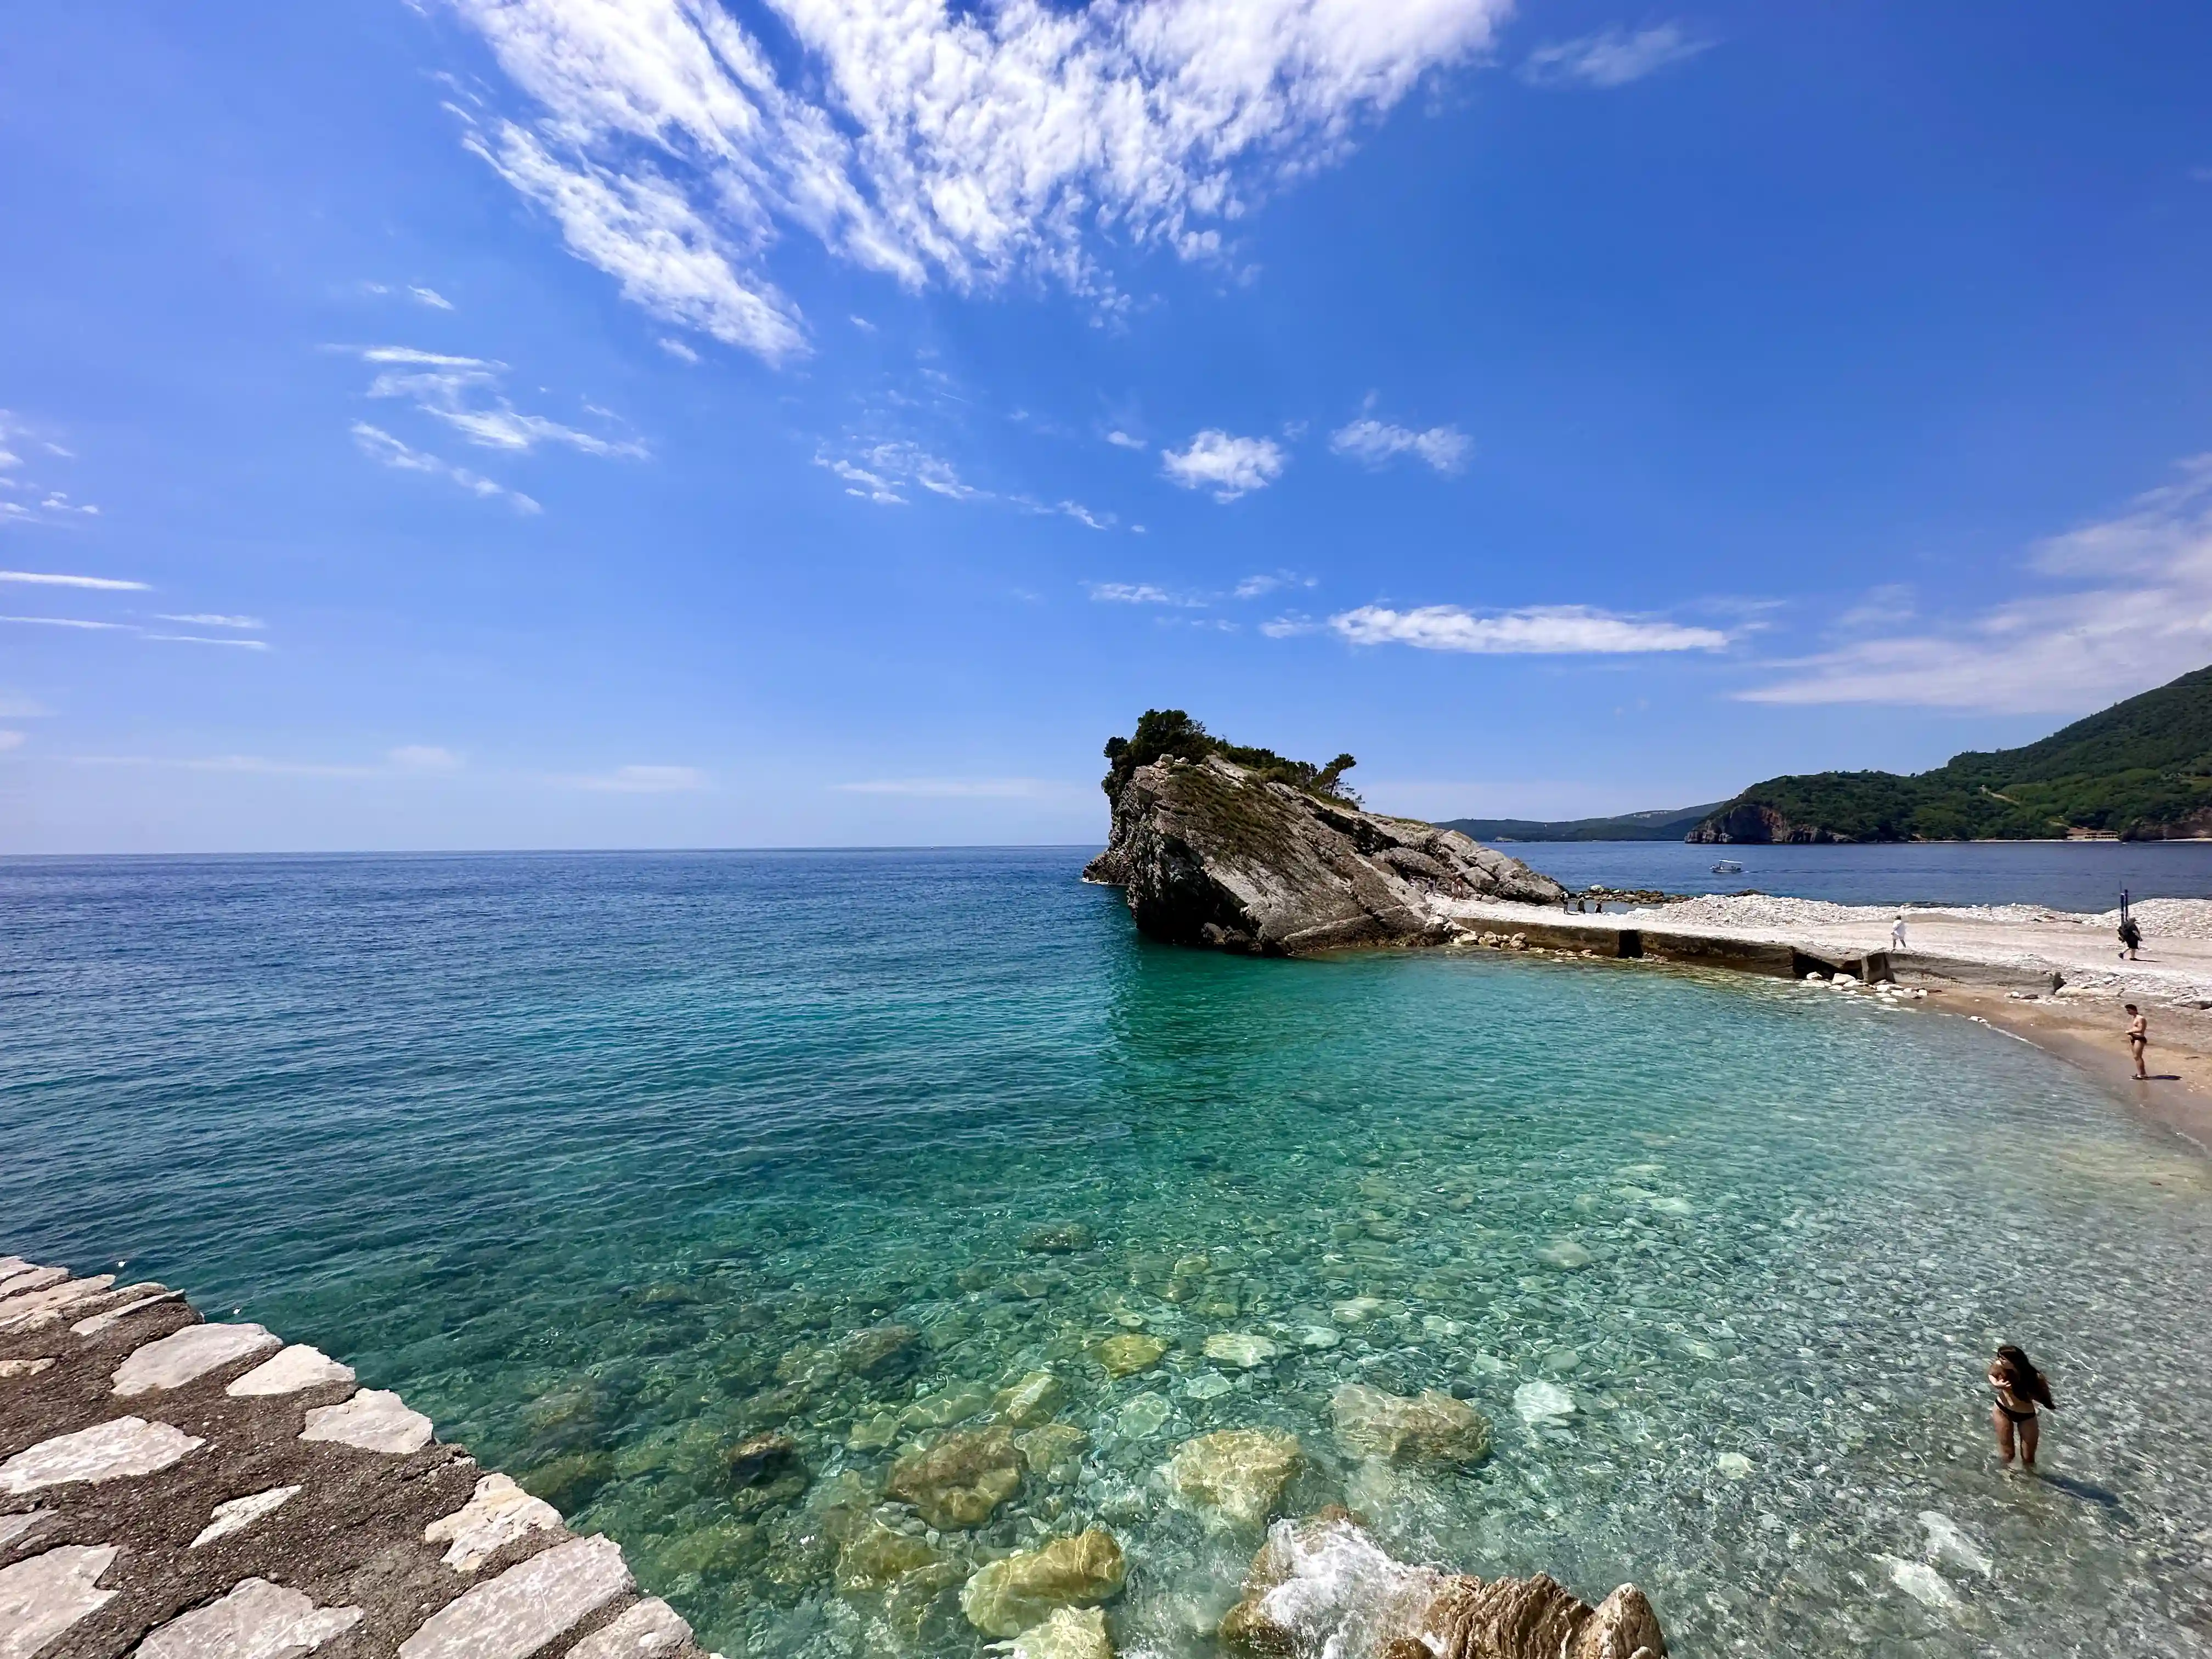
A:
2141, 770
1273, 856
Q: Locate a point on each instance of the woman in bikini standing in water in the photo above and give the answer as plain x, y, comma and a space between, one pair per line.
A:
2018, 1386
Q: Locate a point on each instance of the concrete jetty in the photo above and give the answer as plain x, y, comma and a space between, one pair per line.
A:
174, 1489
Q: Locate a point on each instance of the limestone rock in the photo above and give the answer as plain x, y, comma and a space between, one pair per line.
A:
1211, 854
1127, 1354
155, 1295
182, 1356
765, 1473
875, 1555
374, 1419
1060, 1239
1032, 1401
650, 1627
1068, 1634
13, 1368
1324, 1586
1234, 1476
880, 1352
43, 1595
240, 1513
1239, 1349
497, 1513
1431, 1427
12, 1527
257, 1620
959, 1479
1009, 1596
40, 1306
293, 1370
1543, 1405
513, 1615
115, 1450
1055, 1452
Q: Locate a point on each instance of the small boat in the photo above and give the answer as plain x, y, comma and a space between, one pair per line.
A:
1728, 867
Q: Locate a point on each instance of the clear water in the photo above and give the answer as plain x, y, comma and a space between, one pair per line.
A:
572, 1151
2065, 875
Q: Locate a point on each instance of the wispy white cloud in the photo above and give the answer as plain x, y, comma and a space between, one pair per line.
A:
423, 757
200, 639
933, 142
1289, 626
965, 788
461, 392
1376, 443
1253, 588
677, 349
642, 781
1892, 602
72, 622
431, 297
1140, 593
247, 764
888, 472
41, 504
54, 578
1230, 466
1550, 631
382, 447
210, 619
1121, 440
2144, 616
1611, 58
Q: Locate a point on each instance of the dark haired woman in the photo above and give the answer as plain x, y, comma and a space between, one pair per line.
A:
2018, 1386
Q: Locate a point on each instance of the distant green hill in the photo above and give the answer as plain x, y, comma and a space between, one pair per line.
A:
2142, 770
1665, 823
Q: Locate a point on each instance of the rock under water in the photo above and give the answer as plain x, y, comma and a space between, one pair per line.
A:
1210, 853
1321, 1586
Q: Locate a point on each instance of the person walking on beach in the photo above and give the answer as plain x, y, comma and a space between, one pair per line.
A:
2018, 1386
2131, 938
1897, 932
2138, 1038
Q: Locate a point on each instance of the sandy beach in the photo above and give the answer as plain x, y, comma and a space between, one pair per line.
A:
1997, 963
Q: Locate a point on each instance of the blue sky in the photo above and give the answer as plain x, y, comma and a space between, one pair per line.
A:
632, 423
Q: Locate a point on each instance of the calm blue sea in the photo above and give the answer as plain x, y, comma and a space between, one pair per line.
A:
598, 1158
2064, 875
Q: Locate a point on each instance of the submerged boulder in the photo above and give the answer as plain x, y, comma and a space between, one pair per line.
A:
959, 1479
1322, 1585
1068, 1634
1211, 853
1430, 1427
1233, 1476
1009, 1596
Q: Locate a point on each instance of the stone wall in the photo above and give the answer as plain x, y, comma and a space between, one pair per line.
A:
171, 1489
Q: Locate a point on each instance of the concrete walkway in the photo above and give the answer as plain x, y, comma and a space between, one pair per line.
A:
171, 1489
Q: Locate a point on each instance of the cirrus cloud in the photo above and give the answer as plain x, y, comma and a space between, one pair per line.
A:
928, 140
1546, 630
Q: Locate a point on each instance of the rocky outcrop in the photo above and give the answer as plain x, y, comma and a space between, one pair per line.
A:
1323, 1586
1753, 822
1210, 853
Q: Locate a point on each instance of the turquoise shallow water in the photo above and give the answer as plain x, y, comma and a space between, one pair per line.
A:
578, 1152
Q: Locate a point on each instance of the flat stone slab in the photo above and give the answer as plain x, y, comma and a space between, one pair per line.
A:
650, 1627
375, 1419
513, 1615
240, 1513
43, 1596
296, 1368
257, 1620
25, 1367
495, 1515
25, 1277
112, 1451
18, 1311
182, 1356
12, 1527
156, 1296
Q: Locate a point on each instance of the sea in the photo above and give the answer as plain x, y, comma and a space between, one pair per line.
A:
602, 1161
2082, 875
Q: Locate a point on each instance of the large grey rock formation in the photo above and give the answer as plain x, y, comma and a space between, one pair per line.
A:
1211, 854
